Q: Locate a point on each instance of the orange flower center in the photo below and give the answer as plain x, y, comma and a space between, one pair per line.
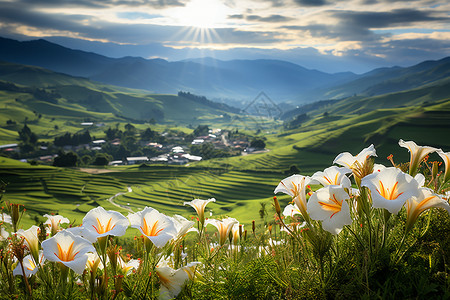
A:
101, 228
66, 255
335, 205
388, 194
151, 231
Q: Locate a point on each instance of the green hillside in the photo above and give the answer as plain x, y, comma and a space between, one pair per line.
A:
46, 101
238, 183
350, 125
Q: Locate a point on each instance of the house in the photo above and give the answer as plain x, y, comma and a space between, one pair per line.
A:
137, 160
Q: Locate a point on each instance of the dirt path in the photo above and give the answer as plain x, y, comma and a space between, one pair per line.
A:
96, 171
111, 200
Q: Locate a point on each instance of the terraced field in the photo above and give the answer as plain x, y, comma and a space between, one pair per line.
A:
238, 193
72, 193
44, 190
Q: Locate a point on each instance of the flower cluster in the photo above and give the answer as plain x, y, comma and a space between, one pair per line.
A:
388, 188
88, 251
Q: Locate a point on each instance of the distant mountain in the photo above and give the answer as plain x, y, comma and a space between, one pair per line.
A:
55, 94
238, 79
228, 81
388, 80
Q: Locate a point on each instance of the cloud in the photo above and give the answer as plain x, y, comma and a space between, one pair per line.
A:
269, 19
236, 17
102, 3
310, 3
397, 17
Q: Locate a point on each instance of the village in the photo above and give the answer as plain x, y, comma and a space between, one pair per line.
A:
131, 146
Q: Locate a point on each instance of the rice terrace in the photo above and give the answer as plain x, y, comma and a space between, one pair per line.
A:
213, 149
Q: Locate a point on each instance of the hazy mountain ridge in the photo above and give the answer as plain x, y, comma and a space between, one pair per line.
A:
32, 85
216, 79
242, 79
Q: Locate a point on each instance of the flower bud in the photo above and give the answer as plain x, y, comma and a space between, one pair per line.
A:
276, 204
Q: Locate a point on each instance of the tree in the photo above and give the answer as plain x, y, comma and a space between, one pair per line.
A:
27, 136
201, 130
258, 143
101, 159
68, 159
148, 135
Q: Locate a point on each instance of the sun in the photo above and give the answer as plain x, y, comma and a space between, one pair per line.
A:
202, 14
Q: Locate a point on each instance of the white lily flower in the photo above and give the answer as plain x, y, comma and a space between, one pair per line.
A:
80, 231
172, 281
3, 234
390, 188
127, 267
94, 262
100, 222
155, 226
235, 232
223, 227
291, 210
295, 186
5, 218
53, 223
378, 167
29, 266
199, 206
68, 249
417, 154
182, 226
348, 160
329, 205
333, 176
31, 240
425, 200
191, 269
446, 157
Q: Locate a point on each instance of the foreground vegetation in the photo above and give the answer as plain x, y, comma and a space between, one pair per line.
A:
362, 230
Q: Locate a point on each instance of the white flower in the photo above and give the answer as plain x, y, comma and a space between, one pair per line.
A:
426, 199
291, 210
29, 266
295, 186
53, 223
31, 240
223, 228
333, 176
100, 222
329, 205
446, 157
155, 226
68, 249
199, 206
417, 154
348, 160
390, 188
6, 218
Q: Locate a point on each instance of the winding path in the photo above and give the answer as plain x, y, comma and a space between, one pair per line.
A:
111, 200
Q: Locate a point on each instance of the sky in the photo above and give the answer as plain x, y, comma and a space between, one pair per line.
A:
330, 36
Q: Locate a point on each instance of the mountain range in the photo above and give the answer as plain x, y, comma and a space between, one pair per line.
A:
234, 81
